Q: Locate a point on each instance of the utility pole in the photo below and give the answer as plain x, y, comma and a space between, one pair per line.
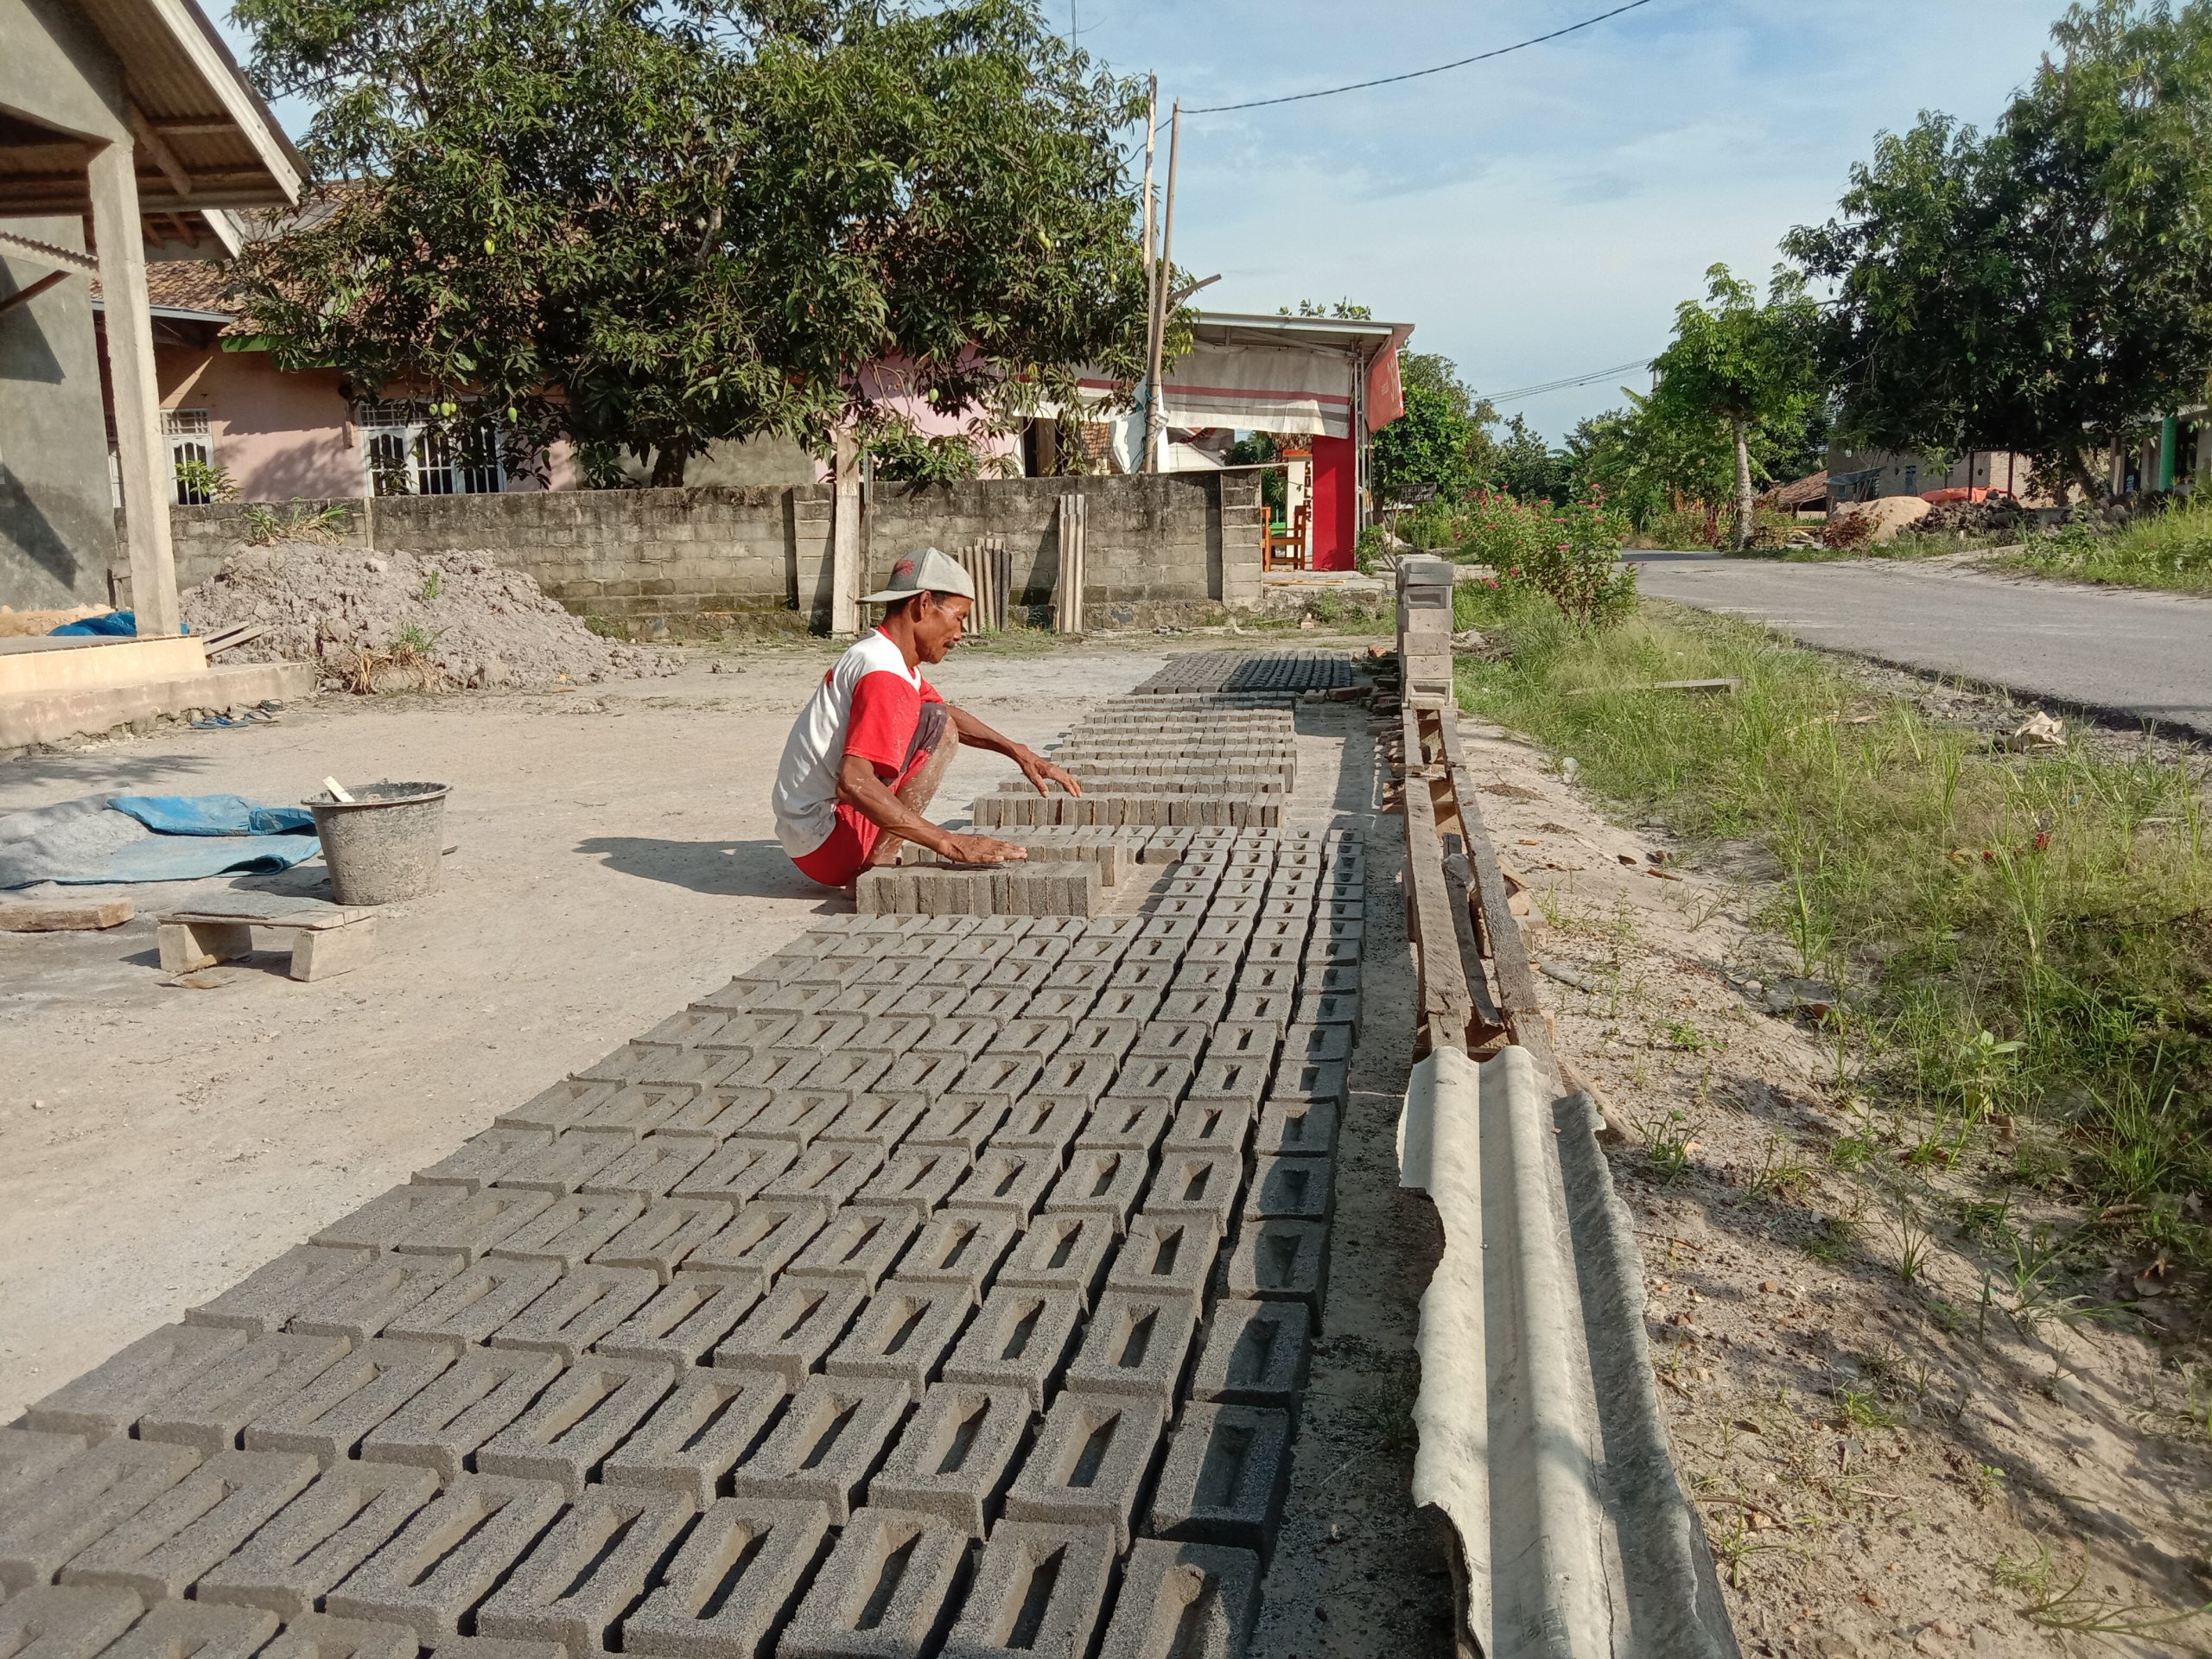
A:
1155, 413
1151, 137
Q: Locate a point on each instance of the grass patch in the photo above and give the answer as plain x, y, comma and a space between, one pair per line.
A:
2171, 550
2014, 936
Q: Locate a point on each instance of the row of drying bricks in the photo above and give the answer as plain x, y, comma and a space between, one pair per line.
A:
1221, 1480
1149, 766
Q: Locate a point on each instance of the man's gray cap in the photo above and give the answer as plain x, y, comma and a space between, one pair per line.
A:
926, 572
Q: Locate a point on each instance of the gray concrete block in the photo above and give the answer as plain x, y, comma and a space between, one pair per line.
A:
828, 1442
317, 1636
111, 1396
28, 1456
1315, 1043
320, 1538
641, 1107
567, 1161
440, 1427
1002, 1078
1193, 1003
1167, 1255
904, 1332
576, 1311
859, 1242
1089, 1464
584, 1414
714, 1114
589, 1569
955, 1456
1019, 1340
568, 1229
385, 1291
163, 1549
1280, 1261
958, 1250
1031, 1033
563, 1106
826, 1176
329, 1418
1037, 1589
684, 1320
472, 1225
268, 1297
766, 1234
1009, 1179
883, 1594
1238, 1078
1076, 1071
211, 1410
1224, 1479
1296, 1189
846, 1072
738, 1170
1255, 1354
1298, 1128
47, 1623
1174, 1040
391, 1216
916, 1179
1313, 1080
1130, 1002
1115, 1124
1331, 1007
703, 1429
175, 1628
960, 1121
1198, 1186
1184, 1601
877, 1120
475, 1302
1043, 1123
792, 1327
450, 1555
1104, 1182
1068, 1005
665, 1235
651, 1169
965, 1034
727, 1591
1063, 1250
1137, 1344
1208, 1126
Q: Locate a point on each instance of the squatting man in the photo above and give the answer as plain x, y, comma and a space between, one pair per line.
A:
873, 743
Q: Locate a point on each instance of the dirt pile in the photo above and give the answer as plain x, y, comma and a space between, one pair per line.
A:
384, 622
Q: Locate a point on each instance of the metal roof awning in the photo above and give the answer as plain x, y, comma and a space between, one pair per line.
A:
1312, 376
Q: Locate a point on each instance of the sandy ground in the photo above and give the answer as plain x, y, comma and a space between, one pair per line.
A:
1891, 1454
615, 858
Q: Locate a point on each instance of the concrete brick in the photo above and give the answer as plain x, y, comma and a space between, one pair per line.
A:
576, 1311
1312, 1042
584, 1414
792, 1327
389, 1215
1298, 1128
175, 1628
1255, 1354
29, 1456
589, 1569
317, 1636
965, 1034
922, 1074
826, 1176
265, 1299
1043, 1123
1198, 1186
1010, 1179
1225, 1479
444, 1559
1280, 1261
1136, 1343
1208, 1126
826, 1445
1138, 975
1037, 1589
726, 1593
472, 1225
714, 1114
916, 1179
1181, 1040
1331, 1007
1128, 1002
377, 1296
958, 1250
876, 1120
1123, 1125
665, 1235
563, 1106
213, 1409
1167, 1257
475, 1302
738, 1170
568, 1229
1257, 1041
1076, 1071
904, 1333
1019, 1340
684, 1320
710, 1422
329, 1418
1191, 1003
1063, 1250
648, 1170
849, 1071
440, 1427
1184, 1601
320, 1538
1089, 1463
828, 1030
1102, 1035
1241, 1078
1104, 1183
797, 1114
639, 1108
884, 1590
1081, 975
955, 1456
164, 1547
1297, 1189
47, 1623
766, 1234
1004, 1078
957, 1121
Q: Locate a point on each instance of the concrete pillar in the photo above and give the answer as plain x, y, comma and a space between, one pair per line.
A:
141, 455
2169, 440
845, 539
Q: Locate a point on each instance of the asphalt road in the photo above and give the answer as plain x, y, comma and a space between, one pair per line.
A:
2118, 652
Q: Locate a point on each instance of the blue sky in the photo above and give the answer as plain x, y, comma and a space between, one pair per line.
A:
1541, 215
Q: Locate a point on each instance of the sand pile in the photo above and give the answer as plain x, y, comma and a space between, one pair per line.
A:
383, 622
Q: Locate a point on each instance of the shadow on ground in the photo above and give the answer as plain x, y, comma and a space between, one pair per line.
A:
727, 869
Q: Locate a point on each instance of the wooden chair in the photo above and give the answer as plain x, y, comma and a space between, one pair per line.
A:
1284, 550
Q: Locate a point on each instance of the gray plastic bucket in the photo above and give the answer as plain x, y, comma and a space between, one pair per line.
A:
385, 844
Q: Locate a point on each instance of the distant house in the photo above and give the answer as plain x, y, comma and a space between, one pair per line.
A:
1871, 475
2172, 458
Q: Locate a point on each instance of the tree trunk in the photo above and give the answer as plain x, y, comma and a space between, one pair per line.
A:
1744, 511
669, 465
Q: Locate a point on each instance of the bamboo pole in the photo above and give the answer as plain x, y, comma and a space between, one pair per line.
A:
1150, 140
1155, 422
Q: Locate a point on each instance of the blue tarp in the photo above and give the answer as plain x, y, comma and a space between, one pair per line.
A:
151, 838
115, 622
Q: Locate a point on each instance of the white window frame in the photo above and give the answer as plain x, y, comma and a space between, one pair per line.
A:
404, 452
189, 437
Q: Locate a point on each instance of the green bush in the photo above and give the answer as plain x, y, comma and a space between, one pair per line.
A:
1570, 553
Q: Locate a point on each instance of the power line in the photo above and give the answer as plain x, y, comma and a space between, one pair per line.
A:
1561, 386
1416, 74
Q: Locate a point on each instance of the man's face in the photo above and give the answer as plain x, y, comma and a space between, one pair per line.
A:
938, 622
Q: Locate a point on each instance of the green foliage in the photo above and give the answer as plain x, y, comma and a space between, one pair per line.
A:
2171, 550
647, 229
1741, 371
1527, 467
1570, 553
902, 454
201, 481
1372, 544
2046, 286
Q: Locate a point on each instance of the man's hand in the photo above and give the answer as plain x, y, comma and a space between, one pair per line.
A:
982, 850
1042, 774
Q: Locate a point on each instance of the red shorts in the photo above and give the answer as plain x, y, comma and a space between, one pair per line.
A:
838, 861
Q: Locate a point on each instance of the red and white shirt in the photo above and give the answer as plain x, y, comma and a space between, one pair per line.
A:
867, 704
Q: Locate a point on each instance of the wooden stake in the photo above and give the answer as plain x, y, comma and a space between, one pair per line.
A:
1155, 413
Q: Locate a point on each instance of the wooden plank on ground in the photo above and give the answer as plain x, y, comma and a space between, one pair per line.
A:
1446, 1004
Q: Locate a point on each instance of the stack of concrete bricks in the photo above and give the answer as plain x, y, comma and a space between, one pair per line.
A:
1104, 850
1274, 673
1047, 888
940, 1281
1425, 626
